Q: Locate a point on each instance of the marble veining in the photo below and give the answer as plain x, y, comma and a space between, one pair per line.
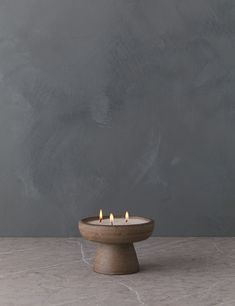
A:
84, 258
135, 292
174, 272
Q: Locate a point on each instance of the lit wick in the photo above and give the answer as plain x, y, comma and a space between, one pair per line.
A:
111, 218
101, 215
127, 216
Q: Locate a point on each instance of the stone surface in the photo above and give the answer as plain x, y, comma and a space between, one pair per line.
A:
175, 272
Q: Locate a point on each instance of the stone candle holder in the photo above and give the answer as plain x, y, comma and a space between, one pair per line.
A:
115, 253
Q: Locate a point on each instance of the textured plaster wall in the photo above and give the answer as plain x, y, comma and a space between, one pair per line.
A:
119, 105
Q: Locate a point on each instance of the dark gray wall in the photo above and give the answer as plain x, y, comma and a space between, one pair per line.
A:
119, 105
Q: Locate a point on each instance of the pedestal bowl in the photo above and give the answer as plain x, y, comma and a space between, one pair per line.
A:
115, 253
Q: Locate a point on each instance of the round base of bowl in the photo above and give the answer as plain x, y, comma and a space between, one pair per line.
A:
116, 259
115, 253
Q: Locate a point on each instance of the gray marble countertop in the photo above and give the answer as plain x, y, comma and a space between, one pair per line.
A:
174, 271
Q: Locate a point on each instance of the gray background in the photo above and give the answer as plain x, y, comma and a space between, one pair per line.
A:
119, 105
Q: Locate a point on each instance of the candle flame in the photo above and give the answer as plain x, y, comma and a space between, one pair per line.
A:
101, 215
127, 216
111, 218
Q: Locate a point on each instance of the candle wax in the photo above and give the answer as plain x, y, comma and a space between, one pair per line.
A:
118, 221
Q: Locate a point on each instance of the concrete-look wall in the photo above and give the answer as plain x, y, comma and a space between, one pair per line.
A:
117, 105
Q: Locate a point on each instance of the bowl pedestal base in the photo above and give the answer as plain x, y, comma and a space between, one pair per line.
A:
116, 259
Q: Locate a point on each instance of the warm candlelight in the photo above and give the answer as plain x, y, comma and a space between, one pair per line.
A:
101, 215
127, 216
111, 218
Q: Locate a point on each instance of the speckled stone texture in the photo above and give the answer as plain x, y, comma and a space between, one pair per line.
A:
175, 271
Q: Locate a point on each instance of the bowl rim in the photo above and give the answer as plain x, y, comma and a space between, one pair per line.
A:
87, 219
